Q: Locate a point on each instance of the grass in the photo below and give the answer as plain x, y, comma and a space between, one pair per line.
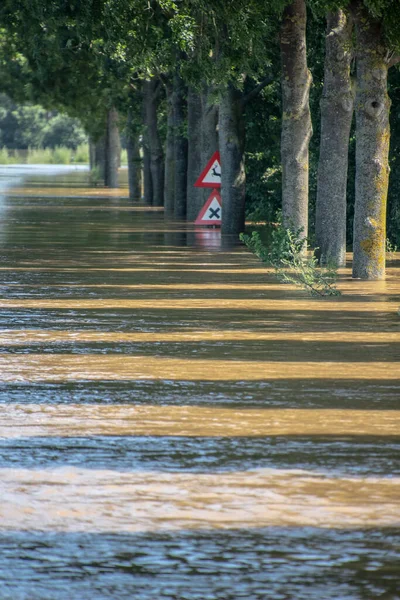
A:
45, 156
60, 155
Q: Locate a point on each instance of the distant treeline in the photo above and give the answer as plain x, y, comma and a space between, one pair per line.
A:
26, 126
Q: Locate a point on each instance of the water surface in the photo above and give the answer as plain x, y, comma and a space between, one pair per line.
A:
175, 423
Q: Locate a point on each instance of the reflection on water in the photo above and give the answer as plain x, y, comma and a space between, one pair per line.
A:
12, 176
156, 501
176, 424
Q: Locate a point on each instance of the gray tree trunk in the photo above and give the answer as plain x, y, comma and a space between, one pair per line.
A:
296, 118
372, 148
150, 97
195, 164
134, 169
134, 159
337, 105
180, 147
113, 149
100, 157
209, 133
169, 180
233, 178
147, 180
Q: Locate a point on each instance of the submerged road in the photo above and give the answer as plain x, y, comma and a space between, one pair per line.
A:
175, 424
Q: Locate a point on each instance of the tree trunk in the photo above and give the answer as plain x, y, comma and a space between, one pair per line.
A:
169, 180
100, 157
372, 149
296, 119
337, 105
209, 133
180, 147
147, 180
150, 96
113, 149
134, 160
134, 169
233, 176
92, 153
195, 165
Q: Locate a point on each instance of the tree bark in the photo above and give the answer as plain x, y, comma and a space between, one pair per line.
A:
150, 96
194, 194
134, 160
296, 118
233, 176
372, 148
209, 133
100, 157
169, 180
180, 147
134, 169
113, 149
337, 105
147, 180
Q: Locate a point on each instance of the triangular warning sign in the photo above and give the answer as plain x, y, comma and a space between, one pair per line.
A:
211, 174
211, 213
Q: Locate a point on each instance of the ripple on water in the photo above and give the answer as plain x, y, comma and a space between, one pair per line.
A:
261, 564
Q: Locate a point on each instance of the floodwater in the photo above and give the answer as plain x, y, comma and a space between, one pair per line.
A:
174, 423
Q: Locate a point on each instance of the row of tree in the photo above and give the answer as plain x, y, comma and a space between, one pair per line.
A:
193, 76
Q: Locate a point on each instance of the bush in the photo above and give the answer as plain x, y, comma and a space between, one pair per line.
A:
287, 255
45, 156
81, 154
39, 156
62, 130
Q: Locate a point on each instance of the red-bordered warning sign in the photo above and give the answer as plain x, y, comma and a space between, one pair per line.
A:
211, 213
211, 174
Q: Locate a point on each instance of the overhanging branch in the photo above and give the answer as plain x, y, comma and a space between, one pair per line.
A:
255, 91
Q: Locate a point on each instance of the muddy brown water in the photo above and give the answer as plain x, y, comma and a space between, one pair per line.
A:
176, 424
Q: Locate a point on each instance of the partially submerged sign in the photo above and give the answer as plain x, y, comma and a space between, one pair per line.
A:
211, 174
211, 213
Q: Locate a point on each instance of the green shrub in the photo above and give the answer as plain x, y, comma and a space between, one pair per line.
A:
287, 254
61, 156
95, 178
39, 156
4, 156
81, 154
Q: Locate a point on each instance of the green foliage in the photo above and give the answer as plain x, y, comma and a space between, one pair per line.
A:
25, 126
8, 159
95, 178
61, 130
393, 209
391, 249
286, 254
263, 170
81, 154
60, 155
